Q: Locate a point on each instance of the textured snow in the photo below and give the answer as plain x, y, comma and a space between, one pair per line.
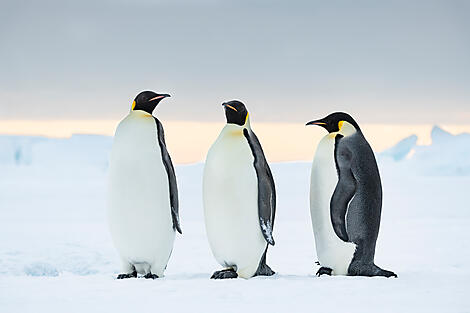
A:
56, 253
41, 269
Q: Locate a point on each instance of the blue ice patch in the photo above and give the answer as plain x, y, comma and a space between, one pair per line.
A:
41, 269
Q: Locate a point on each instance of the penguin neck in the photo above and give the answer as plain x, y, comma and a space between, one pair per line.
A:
236, 130
140, 113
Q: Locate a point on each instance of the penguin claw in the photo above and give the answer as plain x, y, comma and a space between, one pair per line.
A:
317, 263
388, 274
128, 275
151, 276
324, 270
224, 274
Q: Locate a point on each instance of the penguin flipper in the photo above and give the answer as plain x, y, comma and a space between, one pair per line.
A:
266, 188
344, 191
171, 176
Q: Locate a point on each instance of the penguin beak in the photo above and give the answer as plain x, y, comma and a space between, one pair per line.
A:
225, 105
317, 122
160, 97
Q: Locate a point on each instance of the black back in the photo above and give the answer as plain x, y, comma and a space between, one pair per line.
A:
356, 204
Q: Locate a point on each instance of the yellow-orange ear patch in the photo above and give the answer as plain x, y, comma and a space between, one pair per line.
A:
133, 105
340, 124
246, 119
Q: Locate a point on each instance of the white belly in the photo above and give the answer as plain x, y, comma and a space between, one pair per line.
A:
230, 191
139, 204
332, 252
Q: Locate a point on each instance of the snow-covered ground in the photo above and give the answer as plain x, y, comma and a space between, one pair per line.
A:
56, 253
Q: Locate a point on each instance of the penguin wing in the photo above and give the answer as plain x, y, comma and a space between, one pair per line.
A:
266, 188
345, 188
171, 177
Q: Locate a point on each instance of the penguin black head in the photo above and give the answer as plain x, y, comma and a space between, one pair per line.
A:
235, 112
147, 101
333, 122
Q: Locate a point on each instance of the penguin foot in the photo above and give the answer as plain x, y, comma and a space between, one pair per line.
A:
225, 274
264, 270
151, 276
324, 270
129, 275
369, 270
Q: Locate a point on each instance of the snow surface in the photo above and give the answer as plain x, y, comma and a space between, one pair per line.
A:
56, 253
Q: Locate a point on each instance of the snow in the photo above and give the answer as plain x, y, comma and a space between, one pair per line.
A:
76, 150
401, 149
41, 269
56, 254
447, 155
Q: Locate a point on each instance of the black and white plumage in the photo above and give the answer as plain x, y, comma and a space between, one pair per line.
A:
345, 199
170, 170
266, 187
239, 198
143, 194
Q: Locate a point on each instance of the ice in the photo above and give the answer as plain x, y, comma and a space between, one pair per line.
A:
41, 269
78, 150
401, 149
447, 155
16, 150
56, 253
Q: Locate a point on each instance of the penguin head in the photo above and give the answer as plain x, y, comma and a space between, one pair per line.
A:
335, 122
235, 112
147, 101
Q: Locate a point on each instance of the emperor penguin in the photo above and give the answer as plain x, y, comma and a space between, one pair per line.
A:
239, 198
345, 200
143, 195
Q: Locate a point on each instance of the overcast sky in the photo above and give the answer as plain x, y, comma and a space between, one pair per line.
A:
382, 61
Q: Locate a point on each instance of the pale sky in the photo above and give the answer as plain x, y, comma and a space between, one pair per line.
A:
396, 62
398, 67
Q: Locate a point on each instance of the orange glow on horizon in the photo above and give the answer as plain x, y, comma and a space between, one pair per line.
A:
188, 142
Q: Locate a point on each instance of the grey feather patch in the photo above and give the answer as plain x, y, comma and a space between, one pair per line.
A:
268, 230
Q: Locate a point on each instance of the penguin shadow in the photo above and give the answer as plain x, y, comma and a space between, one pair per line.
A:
291, 276
182, 276
188, 276
207, 276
